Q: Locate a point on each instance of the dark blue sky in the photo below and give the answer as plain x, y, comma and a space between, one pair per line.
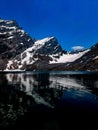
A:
72, 22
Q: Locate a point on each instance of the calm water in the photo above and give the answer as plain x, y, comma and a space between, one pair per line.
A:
49, 101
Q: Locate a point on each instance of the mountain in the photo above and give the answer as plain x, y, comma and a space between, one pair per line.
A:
18, 51
13, 40
40, 54
89, 61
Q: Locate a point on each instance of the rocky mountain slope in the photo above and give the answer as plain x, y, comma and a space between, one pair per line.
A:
89, 61
18, 51
45, 54
42, 52
13, 41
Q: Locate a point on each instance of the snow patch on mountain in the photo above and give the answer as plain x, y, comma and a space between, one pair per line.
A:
40, 43
68, 57
96, 58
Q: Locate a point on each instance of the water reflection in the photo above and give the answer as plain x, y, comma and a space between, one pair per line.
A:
38, 86
47, 88
21, 92
90, 82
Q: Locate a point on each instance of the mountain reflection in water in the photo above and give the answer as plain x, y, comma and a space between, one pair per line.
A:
27, 99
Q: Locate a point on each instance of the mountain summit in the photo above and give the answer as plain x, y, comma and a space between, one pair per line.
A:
13, 39
18, 51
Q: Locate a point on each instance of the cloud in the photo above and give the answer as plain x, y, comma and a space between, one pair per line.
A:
77, 48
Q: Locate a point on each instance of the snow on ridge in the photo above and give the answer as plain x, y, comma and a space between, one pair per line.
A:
11, 37
7, 27
1, 20
21, 30
3, 33
39, 43
95, 58
68, 57
44, 40
9, 22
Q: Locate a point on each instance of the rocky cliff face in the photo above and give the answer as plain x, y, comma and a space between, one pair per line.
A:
13, 39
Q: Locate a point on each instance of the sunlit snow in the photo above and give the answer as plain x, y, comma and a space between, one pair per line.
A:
68, 57
96, 58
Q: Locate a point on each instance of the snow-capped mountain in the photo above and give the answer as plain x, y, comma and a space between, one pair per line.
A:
13, 39
38, 57
43, 55
89, 61
42, 51
18, 51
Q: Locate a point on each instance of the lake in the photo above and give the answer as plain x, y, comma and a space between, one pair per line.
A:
42, 100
